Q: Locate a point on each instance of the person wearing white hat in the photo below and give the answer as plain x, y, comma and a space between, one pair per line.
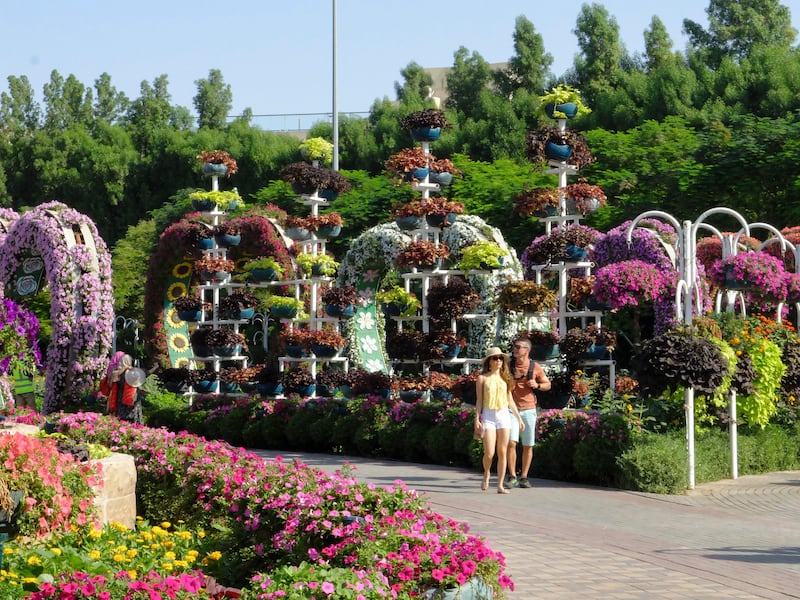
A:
492, 417
120, 386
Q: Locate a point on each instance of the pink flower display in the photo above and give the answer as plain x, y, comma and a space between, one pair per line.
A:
629, 282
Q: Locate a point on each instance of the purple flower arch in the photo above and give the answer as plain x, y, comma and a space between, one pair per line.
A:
78, 270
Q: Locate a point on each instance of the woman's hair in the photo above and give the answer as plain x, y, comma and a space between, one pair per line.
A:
124, 363
505, 372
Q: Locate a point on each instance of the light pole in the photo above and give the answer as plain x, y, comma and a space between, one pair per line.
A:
334, 108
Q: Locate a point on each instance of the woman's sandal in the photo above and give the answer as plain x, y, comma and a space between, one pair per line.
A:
503, 491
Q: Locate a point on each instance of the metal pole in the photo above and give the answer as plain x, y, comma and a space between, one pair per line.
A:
335, 109
734, 439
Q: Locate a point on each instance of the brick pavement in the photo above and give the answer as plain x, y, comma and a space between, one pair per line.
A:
730, 539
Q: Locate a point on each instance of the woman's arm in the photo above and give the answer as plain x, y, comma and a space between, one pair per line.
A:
479, 398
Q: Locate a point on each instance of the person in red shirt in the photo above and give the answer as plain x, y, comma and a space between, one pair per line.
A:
529, 378
120, 385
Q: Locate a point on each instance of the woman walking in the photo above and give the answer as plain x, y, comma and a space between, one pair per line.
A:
492, 417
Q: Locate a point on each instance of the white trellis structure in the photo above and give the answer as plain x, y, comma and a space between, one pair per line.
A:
688, 294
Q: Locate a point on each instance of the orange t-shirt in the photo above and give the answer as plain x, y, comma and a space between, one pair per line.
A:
521, 392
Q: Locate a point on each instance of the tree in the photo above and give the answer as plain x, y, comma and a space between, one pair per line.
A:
150, 112
67, 102
468, 78
414, 89
129, 258
110, 105
18, 108
657, 45
601, 51
529, 68
213, 101
737, 26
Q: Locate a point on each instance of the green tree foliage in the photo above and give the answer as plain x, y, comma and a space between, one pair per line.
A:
529, 68
129, 258
736, 27
469, 77
110, 105
213, 101
18, 108
597, 65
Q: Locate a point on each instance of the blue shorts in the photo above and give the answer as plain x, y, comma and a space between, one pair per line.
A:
529, 435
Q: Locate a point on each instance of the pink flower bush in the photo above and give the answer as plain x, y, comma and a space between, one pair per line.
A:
762, 274
278, 513
629, 282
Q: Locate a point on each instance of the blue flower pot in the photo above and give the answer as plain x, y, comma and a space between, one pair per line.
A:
283, 312
443, 178
440, 220
304, 391
205, 243
542, 352
227, 387
329, 231
267, 274
408, 223
411, 395
190, 315
426, 134
329, 195
269, 389
244, 314
227, 350
450, 351
298, 234
294, 350
596, 352
570, 109
206, 387
204, 205
340, 312
576, 253
326, 391
215, 170
558, 152
226, 240
321, 351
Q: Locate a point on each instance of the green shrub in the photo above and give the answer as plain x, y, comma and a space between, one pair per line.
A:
654, 463
553, 457
712, 456
770, 449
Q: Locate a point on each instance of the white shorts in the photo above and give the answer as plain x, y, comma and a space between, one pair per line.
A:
496, 419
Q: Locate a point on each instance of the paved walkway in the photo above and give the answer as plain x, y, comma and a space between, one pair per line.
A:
729, 539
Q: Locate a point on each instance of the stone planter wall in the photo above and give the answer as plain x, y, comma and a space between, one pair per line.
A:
116, 500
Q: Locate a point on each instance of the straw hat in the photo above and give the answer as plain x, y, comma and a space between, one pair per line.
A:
493, 351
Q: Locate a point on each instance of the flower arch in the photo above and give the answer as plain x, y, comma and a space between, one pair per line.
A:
64, 246
372, 254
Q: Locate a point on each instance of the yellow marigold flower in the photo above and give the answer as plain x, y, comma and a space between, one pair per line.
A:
166, 566
132, 553
629, 408
120, 558
738, 353
96, 534
169, 555
133, 574
95, 554
56, 551
30, 580
166, 524
201, 534
215, 555
192, 554
184, 535
181, 563
118, 526
34, 561
120, 549
147, 535
168, 544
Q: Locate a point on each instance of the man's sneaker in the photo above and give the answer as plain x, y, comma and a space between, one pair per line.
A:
523, 482
512, 482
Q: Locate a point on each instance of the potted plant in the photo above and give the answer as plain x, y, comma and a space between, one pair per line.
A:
190, 308
326, 342
441, 212
483, 255
295, 341
410, 164
210, 268
451, 300
541, 202
199, 341
317, 149
560, 392
759, 273
412, 389
406, 345
375, 382
463, 387
396, 301
442, 171
225, 342
220, 159
239, 305
317, 265
330, 380
297, 228
283, 307
305, 178
422, 254
340, 301
207, 201
445, 344
592, 342
336, 184
563, 102
551, 143
299, 380
425, 125
526, 297
584, 198
408, 216
235, 377
227, 234
174, 379
269, 380
200, 235
263, 268
204, 381
441, 385
580, 292
327, 225
571, 243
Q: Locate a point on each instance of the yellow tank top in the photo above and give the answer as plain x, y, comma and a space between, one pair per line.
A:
495, 393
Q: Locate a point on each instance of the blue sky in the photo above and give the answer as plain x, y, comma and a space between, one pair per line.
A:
277, 56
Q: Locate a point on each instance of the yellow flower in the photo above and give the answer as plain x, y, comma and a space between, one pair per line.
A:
120, 558
176, 290
30, 580
169, 555
215, 555
132, 553
133, 574
181, 563
182, 269
166, 566
96, 534
94, 554
166, 524
34, 561
56, 551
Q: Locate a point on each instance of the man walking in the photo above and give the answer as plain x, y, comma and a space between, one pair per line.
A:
529, 378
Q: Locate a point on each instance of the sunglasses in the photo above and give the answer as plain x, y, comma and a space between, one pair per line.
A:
495, 358
519, 346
